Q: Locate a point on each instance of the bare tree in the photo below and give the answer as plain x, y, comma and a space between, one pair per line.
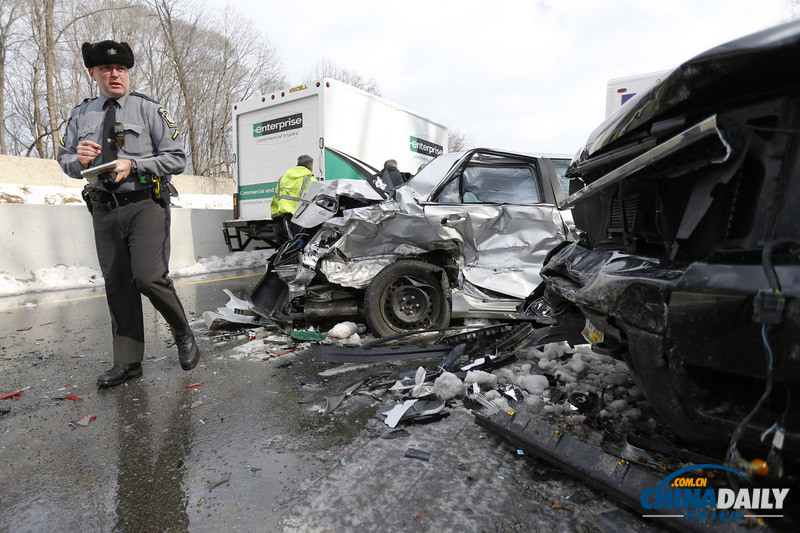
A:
458, 141
195, 64
791, 11
10, 13
326, 68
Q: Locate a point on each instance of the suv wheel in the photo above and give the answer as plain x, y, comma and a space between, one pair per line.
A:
406, 296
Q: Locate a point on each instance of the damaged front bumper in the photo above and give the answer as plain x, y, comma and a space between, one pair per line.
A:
687, 334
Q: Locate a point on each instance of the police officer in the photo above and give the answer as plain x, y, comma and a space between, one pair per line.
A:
129, 204
290, 188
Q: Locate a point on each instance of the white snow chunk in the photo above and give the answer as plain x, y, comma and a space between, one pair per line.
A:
533, 383
575, 420
532, 400
546, 364
632, 413
525, 369
448, 386
578, 366
505, 375
492, 395
616, 378
502, 404
343, 330
618, 405
481, 378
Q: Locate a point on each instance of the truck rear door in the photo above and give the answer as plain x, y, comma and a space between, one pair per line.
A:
269, 140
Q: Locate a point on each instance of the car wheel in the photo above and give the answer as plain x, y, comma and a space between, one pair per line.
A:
406, 295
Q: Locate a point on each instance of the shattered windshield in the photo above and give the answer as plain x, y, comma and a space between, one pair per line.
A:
561, 166
492, 185
431, 174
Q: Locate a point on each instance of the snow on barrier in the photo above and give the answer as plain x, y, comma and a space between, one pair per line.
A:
43, 236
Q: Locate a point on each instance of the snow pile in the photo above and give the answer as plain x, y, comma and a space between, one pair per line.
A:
63, 277
50, 279
234, 261
52, 195
573, 370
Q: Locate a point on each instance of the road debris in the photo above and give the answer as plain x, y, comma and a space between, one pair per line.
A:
418, 454
226, 477
83, 421
13, 395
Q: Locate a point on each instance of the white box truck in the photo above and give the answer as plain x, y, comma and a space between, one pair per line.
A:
332, 122
620, 90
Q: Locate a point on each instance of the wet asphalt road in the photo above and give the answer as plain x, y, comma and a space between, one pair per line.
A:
248, 450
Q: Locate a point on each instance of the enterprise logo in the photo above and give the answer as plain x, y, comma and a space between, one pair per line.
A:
277, 125
426, 147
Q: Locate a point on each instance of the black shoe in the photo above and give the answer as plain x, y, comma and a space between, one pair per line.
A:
118, 374
188, 353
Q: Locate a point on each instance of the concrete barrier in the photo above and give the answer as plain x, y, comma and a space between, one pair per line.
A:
34, 171
44, 236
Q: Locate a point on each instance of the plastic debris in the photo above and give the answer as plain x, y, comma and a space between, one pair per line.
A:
397, 433
585, 402
13, 395
82, 421
417, 411
418, 454
307, 336
74, 398
581, 497
195, 385
511, 392
226, 477
394, 415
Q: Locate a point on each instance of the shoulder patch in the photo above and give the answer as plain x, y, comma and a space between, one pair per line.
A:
167, 117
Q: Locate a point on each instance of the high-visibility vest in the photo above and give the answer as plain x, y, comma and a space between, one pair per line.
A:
289, 190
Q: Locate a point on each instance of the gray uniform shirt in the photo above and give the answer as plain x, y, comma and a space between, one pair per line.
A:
152, 139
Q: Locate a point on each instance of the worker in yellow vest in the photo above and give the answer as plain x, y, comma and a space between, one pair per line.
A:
290, 188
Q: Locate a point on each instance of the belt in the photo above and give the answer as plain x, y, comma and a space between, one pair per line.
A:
109, 201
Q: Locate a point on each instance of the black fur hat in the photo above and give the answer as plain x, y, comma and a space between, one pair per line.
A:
107, 53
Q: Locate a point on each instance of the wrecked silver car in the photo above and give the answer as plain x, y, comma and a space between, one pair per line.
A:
465, 237
688, 267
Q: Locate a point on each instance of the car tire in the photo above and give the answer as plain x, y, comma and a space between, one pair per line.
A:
406, 295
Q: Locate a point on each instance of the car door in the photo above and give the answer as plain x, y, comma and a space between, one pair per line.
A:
496, 206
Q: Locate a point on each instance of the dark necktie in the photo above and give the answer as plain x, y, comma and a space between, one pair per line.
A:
109, 139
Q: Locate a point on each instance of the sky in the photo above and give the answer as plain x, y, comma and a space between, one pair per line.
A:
519, 75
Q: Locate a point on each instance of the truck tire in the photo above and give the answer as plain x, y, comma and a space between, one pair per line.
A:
406, 296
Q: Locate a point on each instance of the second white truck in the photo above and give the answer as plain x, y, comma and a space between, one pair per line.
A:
336, 124
620, 90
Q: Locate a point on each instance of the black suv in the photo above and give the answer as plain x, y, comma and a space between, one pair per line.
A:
688, 266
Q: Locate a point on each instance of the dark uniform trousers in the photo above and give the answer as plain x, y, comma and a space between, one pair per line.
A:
133, 250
